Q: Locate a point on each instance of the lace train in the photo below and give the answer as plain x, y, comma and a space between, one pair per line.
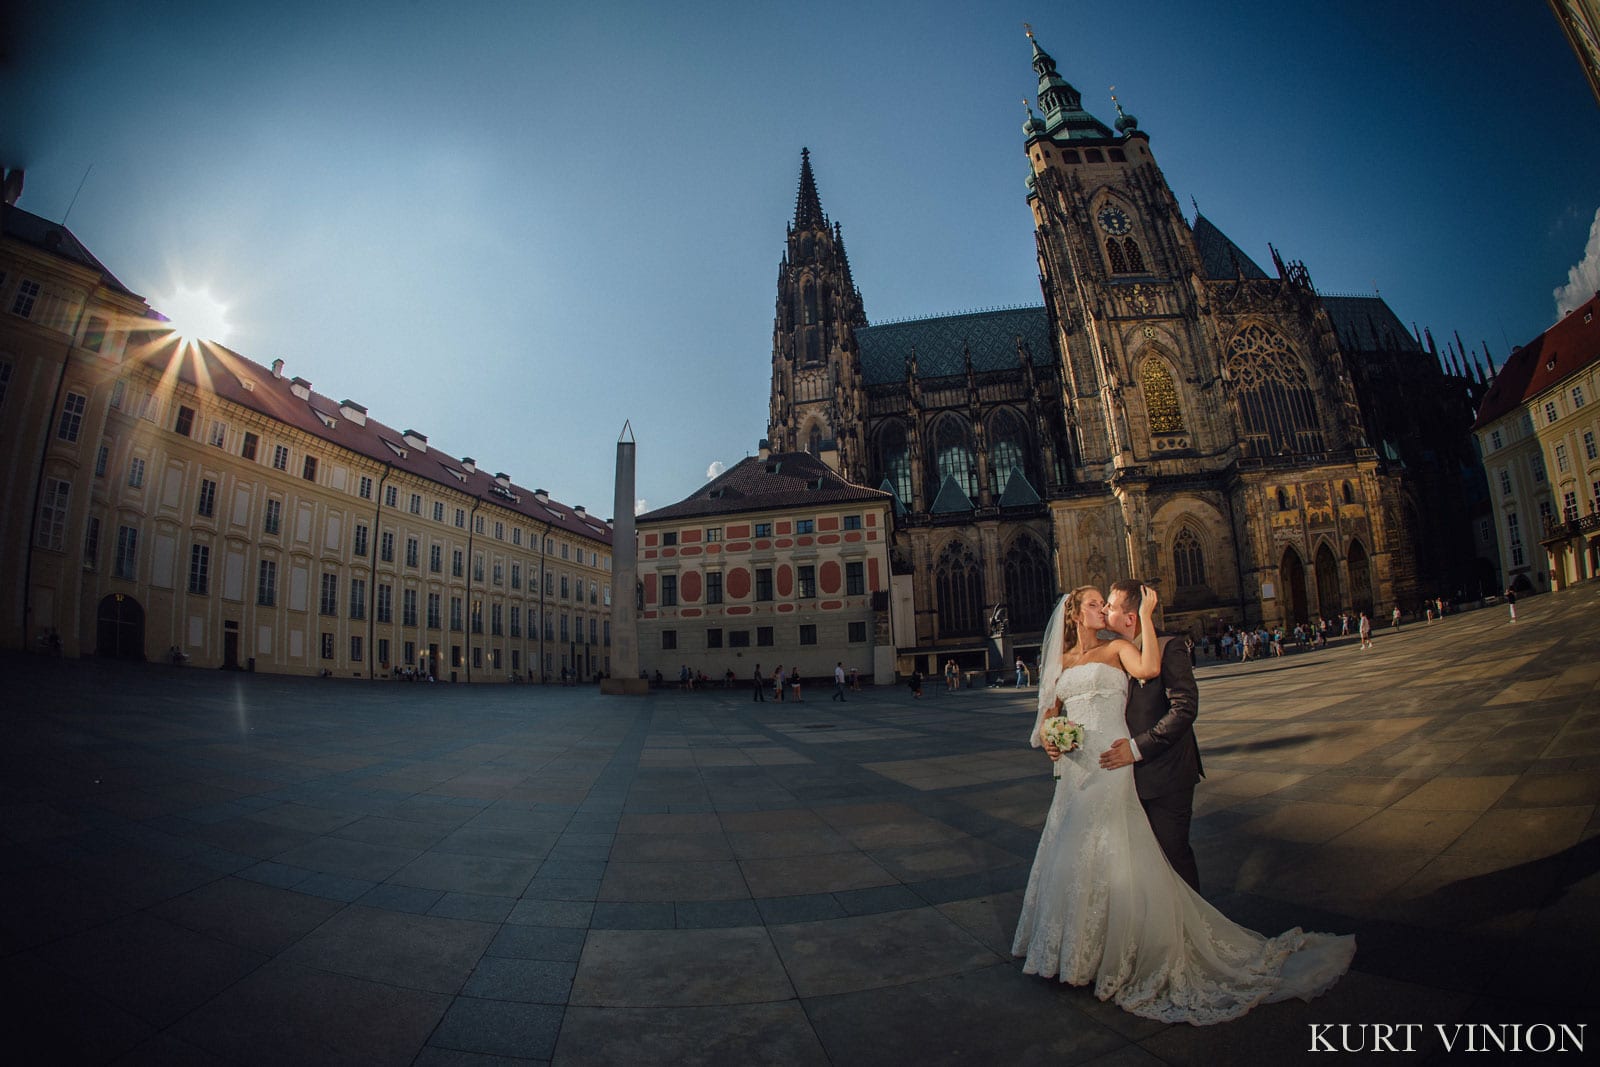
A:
1104, 906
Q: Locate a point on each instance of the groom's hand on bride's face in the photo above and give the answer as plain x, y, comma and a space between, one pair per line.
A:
1120, 754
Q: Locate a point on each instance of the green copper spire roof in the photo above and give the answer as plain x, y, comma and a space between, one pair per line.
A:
1019, 491
951, 498
1064, 116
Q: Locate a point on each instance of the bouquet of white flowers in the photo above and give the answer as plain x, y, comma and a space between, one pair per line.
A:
1062, 733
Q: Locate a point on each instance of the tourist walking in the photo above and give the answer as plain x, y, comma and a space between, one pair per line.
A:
952, 677
759, 689
794, 683
838, 681
1364, 627
1511, 599
777, 683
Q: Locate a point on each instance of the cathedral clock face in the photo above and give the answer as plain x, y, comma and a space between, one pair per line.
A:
1115, 221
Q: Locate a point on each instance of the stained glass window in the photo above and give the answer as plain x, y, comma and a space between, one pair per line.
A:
1273, 397
958, 586
1188, 559
1161, 398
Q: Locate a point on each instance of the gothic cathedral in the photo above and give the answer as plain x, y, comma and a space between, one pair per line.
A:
1171, 412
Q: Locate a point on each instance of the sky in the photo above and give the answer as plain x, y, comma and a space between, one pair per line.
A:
513, 226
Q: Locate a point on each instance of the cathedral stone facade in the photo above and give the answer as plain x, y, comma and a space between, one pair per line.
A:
1171, 412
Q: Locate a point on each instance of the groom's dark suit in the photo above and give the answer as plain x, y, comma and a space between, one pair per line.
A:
1161, 716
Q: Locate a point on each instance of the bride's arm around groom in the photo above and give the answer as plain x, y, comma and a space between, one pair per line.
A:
1162, 749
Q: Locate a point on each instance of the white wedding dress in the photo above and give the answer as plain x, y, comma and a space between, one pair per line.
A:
1104, 906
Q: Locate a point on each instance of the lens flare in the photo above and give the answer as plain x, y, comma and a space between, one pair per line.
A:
196, 315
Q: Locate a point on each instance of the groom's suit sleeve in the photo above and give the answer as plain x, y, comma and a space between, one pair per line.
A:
1183, 702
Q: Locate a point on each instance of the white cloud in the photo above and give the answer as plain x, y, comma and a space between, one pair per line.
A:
716, 468
640, 505
1583, 279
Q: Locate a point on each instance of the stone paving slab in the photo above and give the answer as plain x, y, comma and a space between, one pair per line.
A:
201, 867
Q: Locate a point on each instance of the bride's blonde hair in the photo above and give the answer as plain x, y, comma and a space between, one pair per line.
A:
1069, 619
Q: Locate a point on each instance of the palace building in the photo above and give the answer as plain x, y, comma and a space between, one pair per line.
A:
777, 561
1171, 412
1540, 435
172, 499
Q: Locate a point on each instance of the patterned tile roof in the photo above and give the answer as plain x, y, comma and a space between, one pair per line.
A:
211, 368
1218, 254
1367, 324
782, 480
941, 344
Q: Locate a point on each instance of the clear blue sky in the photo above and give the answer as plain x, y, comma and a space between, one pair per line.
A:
511, 226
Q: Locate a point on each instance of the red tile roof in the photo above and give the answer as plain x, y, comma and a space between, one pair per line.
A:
29, 228
210, 368
1555, 355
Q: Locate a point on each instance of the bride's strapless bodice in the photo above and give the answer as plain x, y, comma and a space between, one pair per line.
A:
1094, 695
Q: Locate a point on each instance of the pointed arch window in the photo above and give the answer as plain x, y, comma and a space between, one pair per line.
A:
808, 303
953, 455
1160, 398
1135, 259
1008, 449
1030, 587
894, 461
814, 441
1188, 560
1119, 261
958, 590
1272, 395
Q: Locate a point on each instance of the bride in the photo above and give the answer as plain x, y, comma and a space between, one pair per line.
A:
1102, 904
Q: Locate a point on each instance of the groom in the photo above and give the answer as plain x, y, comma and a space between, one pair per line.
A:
1162, 749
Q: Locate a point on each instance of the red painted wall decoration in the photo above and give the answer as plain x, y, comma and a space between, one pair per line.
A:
649, 588
738, 583
830, 576
689, 585
872, 576
827, 522
785, 580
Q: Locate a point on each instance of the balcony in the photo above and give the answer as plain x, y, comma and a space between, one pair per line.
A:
1563, 530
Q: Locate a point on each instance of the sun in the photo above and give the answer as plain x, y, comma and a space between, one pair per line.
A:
196, 315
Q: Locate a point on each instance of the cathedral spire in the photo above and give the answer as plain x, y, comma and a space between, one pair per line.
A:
807, 205
1062, 105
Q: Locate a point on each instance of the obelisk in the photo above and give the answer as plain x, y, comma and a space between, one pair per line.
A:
623, 678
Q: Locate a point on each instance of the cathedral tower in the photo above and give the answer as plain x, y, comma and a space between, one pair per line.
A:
1212, 401
817, 398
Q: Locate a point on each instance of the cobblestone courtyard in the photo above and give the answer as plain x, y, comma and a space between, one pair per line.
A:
205, 867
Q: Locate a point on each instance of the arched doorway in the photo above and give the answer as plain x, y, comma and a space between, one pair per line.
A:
119, 627
1360, 578
1327, 581
1292, 595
